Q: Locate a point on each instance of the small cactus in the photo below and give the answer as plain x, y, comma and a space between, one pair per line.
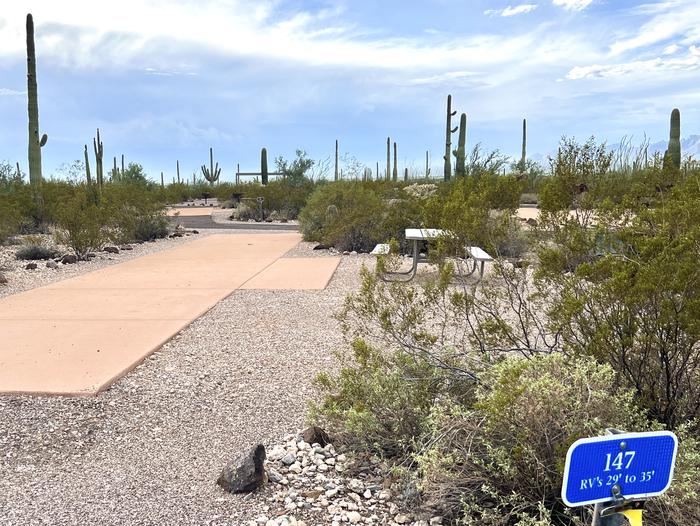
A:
212, 173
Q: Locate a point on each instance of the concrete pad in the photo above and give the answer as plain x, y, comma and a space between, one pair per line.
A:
295, 274
188, 211
79, 335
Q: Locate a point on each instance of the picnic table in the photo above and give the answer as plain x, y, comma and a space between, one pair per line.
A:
416, 235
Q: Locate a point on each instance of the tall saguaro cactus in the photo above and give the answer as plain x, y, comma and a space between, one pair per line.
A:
178, 171
99, 153
672, 157
263, 166
395, 173
427, 164
388, 158
212, 173
35, 141
448, 138
460, 152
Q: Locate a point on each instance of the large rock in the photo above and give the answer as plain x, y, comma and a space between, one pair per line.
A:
316, 435
51, 264
30, 266
111, 249
3, 279
69, 259
246, 475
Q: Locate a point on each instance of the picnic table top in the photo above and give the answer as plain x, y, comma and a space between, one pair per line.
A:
422, 234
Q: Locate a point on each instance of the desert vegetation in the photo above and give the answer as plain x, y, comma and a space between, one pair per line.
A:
587, 320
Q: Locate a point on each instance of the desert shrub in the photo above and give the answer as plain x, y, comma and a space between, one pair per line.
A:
83, 225
246, 212
478, 211
151, 226
134, 213
10, 217
379, 402
356, 215
632, 301
345, 215
500, 460
35, 250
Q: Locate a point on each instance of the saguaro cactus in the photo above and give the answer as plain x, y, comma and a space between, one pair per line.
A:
336, 159
162, 181
99, 152
405, 174
427, 164
459, 153
212, 173
178, 171
672, 157
263, 166
87, 168
35, 141
388, 158
395, 173
448, 138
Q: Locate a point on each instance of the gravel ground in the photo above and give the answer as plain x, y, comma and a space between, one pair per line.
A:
149, 450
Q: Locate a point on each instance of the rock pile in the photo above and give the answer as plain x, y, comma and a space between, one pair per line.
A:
311, 484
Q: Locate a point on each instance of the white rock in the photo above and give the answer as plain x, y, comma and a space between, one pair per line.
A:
354, 517
401, 519
435, 521
367, 494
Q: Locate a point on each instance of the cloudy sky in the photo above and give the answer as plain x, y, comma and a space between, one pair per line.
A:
166, 79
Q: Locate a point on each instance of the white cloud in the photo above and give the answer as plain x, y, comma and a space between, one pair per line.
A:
6, 92
573, 5
92, 34
511, 11
670, 50
689, 62
678, 19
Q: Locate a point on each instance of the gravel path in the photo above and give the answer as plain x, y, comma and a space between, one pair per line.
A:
149, 449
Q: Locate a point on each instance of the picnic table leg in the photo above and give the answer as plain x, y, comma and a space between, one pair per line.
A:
410, 274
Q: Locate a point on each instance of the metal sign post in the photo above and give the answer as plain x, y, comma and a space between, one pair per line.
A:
618, 472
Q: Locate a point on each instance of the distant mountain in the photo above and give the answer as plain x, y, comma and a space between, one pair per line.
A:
689, 146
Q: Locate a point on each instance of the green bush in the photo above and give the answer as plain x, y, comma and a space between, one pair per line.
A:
500, 460
378, 402
83, 225
356, 215
134, 213
151, 226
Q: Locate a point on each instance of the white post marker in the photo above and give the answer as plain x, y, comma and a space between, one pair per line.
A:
617, 469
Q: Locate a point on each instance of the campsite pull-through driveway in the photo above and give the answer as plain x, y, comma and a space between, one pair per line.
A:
76, 337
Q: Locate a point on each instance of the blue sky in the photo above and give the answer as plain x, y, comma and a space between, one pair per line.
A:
167, 79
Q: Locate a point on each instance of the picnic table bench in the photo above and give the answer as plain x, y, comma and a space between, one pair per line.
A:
478, 255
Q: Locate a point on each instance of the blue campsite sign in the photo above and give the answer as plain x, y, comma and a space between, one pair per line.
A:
629, 465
